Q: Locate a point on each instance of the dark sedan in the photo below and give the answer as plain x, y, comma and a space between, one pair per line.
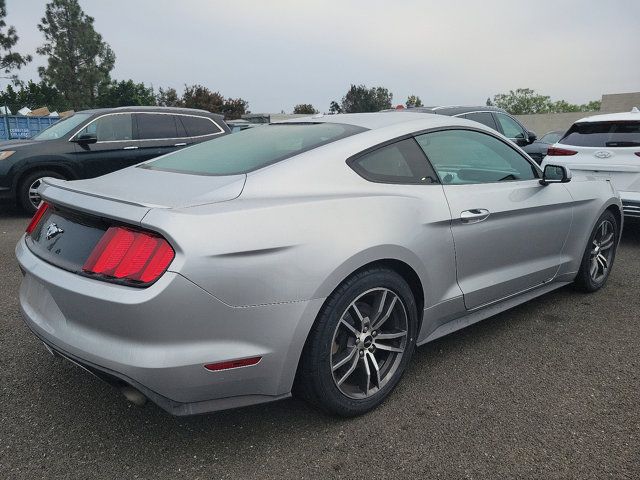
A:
95, 142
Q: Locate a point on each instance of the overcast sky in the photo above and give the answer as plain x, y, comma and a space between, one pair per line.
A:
278, 53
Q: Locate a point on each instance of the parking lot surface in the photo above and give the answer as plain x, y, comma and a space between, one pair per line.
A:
550, 389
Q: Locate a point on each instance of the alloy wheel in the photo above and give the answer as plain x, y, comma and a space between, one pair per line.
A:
369, 343
602, 250
34, 196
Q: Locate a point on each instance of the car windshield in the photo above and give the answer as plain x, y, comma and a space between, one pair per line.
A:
61, 128
251, 149
551, 138
603, 134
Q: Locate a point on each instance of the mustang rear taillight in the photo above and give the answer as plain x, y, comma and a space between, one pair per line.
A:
129, 255
560, 152
42, 209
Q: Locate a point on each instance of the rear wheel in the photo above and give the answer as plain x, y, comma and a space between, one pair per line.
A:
599, 255
28, 196
360, 345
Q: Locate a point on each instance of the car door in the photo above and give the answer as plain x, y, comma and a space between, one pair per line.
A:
512, 129
114, 148
157, 134
508, 229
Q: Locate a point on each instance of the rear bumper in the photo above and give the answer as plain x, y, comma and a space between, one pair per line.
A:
158, 339
630, 204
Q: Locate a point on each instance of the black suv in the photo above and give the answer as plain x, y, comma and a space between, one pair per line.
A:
493, 117
94, 142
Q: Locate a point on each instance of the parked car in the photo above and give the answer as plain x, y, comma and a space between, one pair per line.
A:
605, 147
94, 142
493, 117
538, 149
308, 256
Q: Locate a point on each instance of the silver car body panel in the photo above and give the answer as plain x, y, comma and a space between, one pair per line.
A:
257, 255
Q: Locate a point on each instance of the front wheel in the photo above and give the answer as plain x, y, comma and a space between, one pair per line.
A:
599, 255
360, 345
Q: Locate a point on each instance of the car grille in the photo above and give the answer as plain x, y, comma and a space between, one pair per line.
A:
631, 209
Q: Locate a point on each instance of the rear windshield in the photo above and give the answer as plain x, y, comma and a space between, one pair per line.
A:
252, 149
603, 134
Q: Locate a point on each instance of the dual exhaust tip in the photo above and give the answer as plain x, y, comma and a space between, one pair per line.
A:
134, 395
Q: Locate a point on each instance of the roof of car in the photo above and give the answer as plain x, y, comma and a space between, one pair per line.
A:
451, 110
376, 120
634, 114
150, 109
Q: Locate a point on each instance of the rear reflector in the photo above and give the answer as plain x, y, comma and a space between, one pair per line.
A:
129, 255
245, 362
42, 209
560, 152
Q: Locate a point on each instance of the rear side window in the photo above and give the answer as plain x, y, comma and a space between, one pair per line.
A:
156, 126
485, 118
111, 128
252, 149
400, 162
198, 126
603, 134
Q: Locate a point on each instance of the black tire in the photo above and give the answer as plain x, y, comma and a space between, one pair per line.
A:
23, 197
315, 379
585, 281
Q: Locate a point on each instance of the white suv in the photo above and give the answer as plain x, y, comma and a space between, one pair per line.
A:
605, 146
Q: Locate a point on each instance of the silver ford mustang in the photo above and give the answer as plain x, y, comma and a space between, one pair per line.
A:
309, 256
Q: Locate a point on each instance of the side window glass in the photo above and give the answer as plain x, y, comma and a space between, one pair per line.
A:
400, 162
510, 128
156, 126
485, 118
111, 128
198, 126
466, 157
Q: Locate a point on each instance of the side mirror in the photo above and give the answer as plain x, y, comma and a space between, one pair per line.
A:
531, 136
555, 174
86, 138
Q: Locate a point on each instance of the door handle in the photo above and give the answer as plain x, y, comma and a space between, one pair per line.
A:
180, 144
474, 215
132, 147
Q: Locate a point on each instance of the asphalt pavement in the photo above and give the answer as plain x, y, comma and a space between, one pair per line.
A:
548, 390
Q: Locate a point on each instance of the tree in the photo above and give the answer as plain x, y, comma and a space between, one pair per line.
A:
33, 95
168, 98
304, 109
359, 98
79, 61
334, 107
524, 101
197, 96
10, 60
234, 108
413, 101
489, 102
124, 93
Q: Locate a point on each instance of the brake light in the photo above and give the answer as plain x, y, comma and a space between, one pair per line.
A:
42, 209
130, 255
560, 152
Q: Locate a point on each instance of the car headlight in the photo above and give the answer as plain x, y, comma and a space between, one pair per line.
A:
6, 154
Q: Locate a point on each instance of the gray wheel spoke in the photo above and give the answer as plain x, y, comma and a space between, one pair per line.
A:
390, 335
602, 261
348, 373
389, 348
606, 246
367, 370
358, 314
379, 306
386, 316
354, 351
349, 327
376, 368
594, 267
